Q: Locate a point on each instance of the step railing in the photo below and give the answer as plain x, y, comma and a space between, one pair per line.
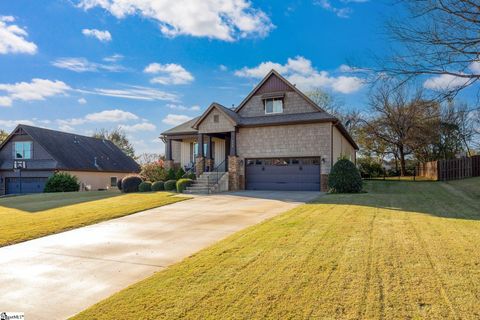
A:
217, 174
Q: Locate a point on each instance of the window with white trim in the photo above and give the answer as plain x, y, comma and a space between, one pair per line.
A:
22, 150
274, 105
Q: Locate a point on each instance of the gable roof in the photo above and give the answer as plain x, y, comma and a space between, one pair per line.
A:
77, 152
274, 73
184, 128
230, 114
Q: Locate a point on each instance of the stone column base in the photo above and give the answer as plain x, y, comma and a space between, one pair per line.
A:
169, 164
210, 163
324, 182
199, 166
233, 173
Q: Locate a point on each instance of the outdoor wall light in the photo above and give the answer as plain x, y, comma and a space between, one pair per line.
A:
323, 160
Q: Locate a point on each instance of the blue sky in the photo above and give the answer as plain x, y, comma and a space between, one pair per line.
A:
147, 65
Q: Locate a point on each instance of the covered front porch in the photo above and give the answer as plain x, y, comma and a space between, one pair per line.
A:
185, 152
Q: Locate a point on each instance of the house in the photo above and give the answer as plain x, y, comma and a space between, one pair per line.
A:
30, 155
276, 139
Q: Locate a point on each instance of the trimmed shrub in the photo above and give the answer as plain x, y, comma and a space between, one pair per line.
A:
179, 174
171, 174
192, 176
170, 185
131, 183
62, 182
145, 186
345, 178
182, 184
158, 186
119, 184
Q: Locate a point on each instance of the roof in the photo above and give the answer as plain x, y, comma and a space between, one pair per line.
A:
190, 127
82, 153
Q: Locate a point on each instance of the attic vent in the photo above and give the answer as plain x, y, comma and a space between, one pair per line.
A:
95, 163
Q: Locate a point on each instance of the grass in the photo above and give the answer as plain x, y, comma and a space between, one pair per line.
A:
32, 216
403, 250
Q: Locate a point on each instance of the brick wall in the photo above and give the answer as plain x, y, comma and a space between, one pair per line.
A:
293, 103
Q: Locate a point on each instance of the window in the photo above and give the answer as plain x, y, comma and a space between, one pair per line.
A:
273, 106
205, 148
22, 150
113, 181
216, 118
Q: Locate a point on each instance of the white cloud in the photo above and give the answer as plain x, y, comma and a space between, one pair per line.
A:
10, 124
475, 67
13, 38
169, 73
344, 12
223, 67
103, 36
182, 107
301, 72
175, 119
115, 115
113, 58
135, 93
219, 19
105, 116
38, 89
145, 126
83, 65
82, 101
445, 82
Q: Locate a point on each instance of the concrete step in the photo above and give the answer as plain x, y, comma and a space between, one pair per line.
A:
194, 192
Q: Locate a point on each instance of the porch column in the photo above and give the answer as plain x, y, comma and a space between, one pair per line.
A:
209, 163
233, 144
168, 154
200, 161
234, 168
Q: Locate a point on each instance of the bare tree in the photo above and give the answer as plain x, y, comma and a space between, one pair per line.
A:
398, 120
326, 101
3, 135
146, 158
440, 38
119, 138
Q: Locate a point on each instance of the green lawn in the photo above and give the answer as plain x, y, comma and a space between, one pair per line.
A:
28, 217
404, 250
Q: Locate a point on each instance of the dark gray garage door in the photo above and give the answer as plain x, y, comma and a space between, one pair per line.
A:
28, 185
295, 174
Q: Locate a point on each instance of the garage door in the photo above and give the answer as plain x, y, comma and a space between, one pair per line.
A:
24, 185
295, 174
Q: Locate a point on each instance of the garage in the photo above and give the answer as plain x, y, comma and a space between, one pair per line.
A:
285, 174
24, 185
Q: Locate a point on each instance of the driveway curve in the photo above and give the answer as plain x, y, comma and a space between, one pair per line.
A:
57, 276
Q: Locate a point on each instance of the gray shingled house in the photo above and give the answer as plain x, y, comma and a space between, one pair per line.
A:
30, 155
276, 139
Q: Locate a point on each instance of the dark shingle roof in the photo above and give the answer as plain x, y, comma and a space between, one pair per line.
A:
286, 118
76, 152
184, 128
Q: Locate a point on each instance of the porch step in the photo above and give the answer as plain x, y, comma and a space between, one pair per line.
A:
205, 184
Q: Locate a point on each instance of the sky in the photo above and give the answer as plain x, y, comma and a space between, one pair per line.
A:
148, 65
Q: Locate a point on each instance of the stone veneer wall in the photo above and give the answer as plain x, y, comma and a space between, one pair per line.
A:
293, 103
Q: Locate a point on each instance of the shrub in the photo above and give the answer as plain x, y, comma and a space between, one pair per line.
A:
192, 176
170, 185
345, 178
171, 174
62, 182
119, 184
131, 183
182, 184
179, 174
145, 186
369, 168
154, 171
158, 186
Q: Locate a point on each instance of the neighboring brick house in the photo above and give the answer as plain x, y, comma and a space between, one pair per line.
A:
30, 155
276, 139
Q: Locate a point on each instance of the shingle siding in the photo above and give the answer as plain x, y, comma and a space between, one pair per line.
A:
303, 140
208, 125
293, 103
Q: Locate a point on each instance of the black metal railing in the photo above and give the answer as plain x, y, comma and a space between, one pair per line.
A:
216, 174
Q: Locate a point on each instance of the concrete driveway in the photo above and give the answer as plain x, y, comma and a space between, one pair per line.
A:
57, 276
